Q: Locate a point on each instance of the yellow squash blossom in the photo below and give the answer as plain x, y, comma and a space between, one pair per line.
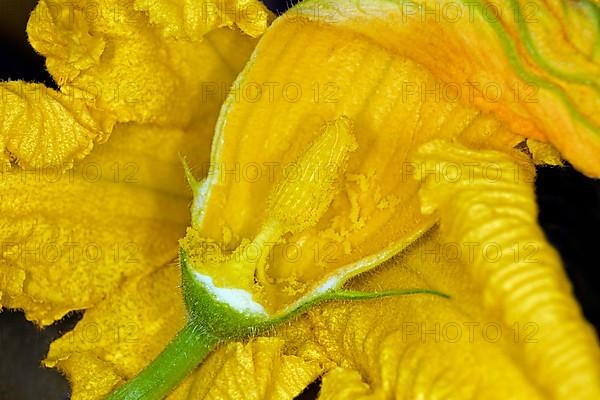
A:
358, 135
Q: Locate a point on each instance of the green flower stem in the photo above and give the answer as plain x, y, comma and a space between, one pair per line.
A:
185, 352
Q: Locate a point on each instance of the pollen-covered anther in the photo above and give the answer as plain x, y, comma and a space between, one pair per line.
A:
298, 204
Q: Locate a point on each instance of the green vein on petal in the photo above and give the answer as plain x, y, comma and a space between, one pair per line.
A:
533, 50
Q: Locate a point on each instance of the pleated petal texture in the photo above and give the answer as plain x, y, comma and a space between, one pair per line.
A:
136, 74
191, 19
42, 127
70, 238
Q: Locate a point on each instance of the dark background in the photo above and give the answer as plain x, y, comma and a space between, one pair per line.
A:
569, 214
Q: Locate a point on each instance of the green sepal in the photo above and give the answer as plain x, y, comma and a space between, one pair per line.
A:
351, 295
218, 318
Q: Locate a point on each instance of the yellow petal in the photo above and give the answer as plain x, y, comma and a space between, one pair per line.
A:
544, 153
41, 127
117, 59
121, 334
112, 65
525, 282
96, 375
257, 370
188, 19
511, 58
343, 383
70, 238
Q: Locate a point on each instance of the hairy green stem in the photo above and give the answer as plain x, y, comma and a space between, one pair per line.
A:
185, 352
